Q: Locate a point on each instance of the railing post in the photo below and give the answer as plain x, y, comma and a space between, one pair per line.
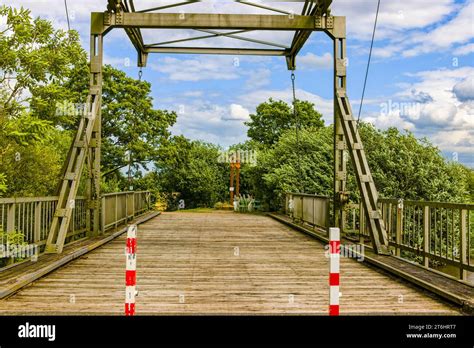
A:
426, 235
126, 207
302, 207
398, 236
463, 241
361, 223
328, 215
133, 210
10, 225
291, 211
102, 217
11, 217
37, 226
116, 210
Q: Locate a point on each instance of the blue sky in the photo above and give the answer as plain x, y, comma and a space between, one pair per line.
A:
421, 76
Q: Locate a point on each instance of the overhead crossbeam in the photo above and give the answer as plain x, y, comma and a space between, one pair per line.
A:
211, 50
314, 17
195, 38
242, 38
212, 21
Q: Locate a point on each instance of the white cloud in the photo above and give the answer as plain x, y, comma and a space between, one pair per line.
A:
395, 16
197, 69
257, 78
193, 94
311, 61
238, 112
464, 90
442, 108
456, 31
464, 50
392, 119
455, 140
433, 35
201, 120
324, 106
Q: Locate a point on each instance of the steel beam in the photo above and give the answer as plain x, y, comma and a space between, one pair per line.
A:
242, 38
195, 38
210, 50
212, 21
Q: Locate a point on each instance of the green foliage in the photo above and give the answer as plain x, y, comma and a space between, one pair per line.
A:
192, 169
24, 129
272, 118
129, 121
278, 168
34, 169
3, 184
34, 60
410, 168
14, 238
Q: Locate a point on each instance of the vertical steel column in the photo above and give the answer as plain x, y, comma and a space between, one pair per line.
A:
340, 160
95, 90
351, 139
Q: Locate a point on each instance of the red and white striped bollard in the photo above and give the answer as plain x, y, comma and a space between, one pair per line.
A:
131, 270
334, 258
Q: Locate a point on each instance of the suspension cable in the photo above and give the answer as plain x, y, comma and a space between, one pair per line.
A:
368, 62
67, 16
140, 73
298, 124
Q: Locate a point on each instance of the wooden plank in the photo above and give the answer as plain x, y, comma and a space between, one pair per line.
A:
18, 277
217, 263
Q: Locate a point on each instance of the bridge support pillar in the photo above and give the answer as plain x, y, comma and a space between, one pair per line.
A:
93, 158
347, 140
340, 146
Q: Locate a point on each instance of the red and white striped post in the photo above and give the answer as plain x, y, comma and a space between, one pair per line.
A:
130, 270
334, 257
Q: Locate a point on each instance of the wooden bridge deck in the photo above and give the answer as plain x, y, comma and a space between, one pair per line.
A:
218, 263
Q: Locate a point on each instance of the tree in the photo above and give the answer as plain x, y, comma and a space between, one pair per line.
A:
31, 163
406, 167
130, 124
35, 60
272, 118
293, 165
192, 169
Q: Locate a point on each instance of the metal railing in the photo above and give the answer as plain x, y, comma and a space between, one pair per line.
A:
120, 207
30, 217
310, 209
435, 235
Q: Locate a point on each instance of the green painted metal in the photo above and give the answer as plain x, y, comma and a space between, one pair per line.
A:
437, 232
34, 216
315, 17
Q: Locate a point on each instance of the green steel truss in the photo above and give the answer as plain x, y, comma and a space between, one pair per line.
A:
315, 16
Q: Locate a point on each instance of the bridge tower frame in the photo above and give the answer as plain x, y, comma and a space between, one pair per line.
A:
316, 16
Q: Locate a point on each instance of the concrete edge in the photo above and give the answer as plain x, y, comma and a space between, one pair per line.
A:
463, 303
31, 277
